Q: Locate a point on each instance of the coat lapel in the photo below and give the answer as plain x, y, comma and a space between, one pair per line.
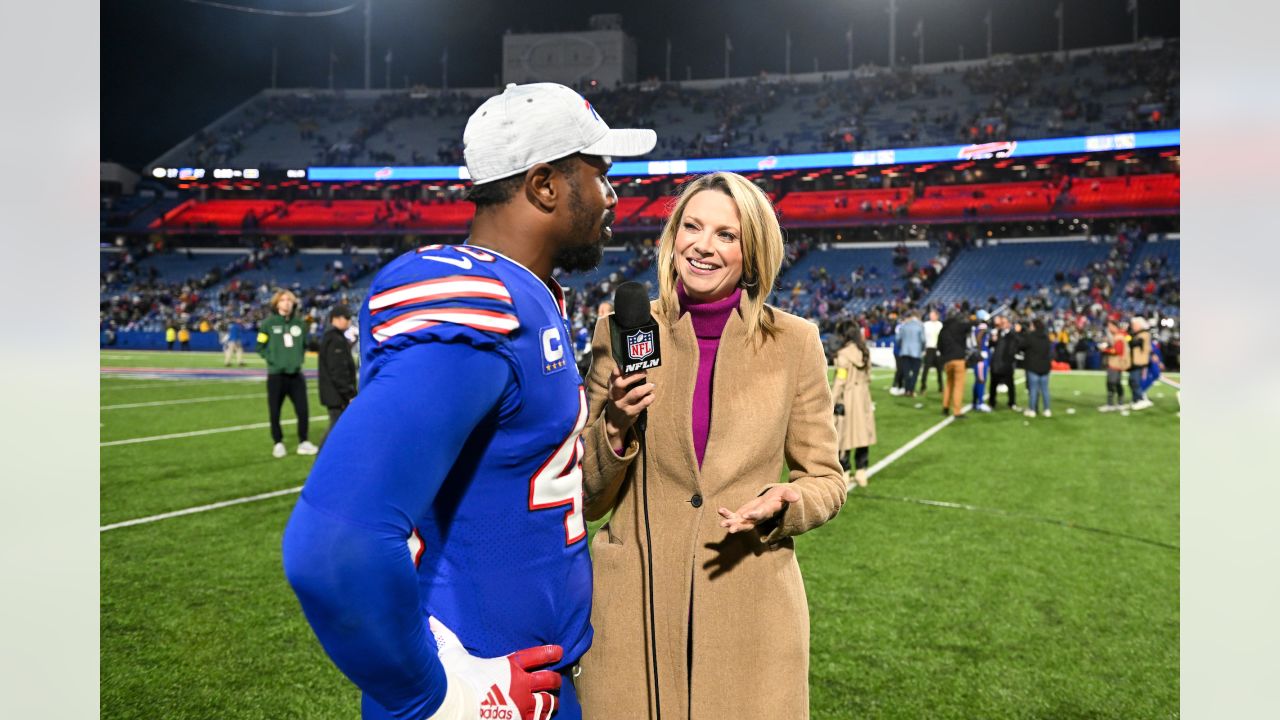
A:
726, 379
681, 376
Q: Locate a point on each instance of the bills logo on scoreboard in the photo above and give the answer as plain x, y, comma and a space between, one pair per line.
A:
640, 345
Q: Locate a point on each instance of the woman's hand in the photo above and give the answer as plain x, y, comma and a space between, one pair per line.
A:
625, 404
759, 509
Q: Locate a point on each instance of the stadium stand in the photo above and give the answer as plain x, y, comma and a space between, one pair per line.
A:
1117, 89
1121, 194
841, 206
986, 199
1130, 194
1011, 269
1153, 283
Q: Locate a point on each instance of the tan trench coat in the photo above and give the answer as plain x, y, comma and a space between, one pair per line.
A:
852, 387
749, 632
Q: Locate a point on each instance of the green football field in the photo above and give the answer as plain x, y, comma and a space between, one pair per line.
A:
1001, 568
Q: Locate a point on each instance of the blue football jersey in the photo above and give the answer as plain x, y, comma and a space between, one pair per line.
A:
501, 553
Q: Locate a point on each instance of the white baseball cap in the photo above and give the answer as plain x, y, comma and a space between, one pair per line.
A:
540, 122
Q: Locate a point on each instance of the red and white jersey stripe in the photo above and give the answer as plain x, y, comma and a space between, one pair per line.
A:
486, 320
447, 288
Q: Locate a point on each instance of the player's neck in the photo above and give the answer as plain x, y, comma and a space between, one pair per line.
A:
501, 233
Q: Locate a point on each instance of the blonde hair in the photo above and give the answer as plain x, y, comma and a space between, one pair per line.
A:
280, 295
761, 248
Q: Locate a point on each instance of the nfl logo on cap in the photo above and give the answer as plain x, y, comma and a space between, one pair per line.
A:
640, 344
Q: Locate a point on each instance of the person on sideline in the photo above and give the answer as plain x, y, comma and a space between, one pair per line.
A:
1117, 361
1003, 350
910, 338
953, 342
439, 548
855, 414
742, 387
981, 358
1139, 359
282, 342
233, 347
932, 327
337, 368
1154, 369
1035, 347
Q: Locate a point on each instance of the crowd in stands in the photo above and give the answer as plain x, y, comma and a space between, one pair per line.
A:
1075, 306
1010, 98
135, 296
1154, 284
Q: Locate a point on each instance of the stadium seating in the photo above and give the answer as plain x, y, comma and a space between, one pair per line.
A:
798, 209
224, 214
177, 266
1123, 194
628, 207
654, 213
985, 200
993, 271
1166, 252
277, 215
1024, 98
841, 205
303, 270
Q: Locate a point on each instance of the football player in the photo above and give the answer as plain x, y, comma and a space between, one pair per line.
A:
438, 547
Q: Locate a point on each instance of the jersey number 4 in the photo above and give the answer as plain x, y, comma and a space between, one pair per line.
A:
558, 483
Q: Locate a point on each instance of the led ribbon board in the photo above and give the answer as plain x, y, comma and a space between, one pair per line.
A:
860, 158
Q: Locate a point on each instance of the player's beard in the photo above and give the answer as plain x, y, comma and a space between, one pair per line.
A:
586, 256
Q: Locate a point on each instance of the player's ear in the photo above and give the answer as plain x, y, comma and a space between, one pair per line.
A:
540, 187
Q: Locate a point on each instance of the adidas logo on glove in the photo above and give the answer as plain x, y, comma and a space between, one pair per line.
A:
494, 705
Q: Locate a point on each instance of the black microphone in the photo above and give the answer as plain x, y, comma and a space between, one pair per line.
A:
632, 331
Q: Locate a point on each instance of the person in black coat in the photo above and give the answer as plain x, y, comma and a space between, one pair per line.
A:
1002, 361
337, 367
1036, 349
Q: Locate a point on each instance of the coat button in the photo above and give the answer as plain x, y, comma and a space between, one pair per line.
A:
696, 500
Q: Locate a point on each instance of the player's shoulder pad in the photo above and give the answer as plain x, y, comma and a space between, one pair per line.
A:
440, 284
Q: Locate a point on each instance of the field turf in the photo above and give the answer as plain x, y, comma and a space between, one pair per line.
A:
1004, 568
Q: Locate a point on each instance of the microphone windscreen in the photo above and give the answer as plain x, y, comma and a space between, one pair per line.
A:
631, 304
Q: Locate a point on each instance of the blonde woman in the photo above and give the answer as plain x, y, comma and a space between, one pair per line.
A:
742, 389
855, 417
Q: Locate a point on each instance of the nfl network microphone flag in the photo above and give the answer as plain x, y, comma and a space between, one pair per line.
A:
633, 334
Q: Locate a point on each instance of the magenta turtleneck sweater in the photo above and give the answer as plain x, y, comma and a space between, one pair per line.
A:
709, 319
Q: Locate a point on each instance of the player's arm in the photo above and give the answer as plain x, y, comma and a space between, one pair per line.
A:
346, 548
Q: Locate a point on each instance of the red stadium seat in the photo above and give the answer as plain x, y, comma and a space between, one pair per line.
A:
820, 205
1131, 192
985, 200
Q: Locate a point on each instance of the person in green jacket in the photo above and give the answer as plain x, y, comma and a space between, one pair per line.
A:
282, 342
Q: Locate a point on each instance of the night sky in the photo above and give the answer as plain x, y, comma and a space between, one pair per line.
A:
170, 67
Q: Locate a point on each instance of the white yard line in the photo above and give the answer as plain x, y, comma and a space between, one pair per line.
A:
210, 431
912, 444
158, 382
198, 509
158, 403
